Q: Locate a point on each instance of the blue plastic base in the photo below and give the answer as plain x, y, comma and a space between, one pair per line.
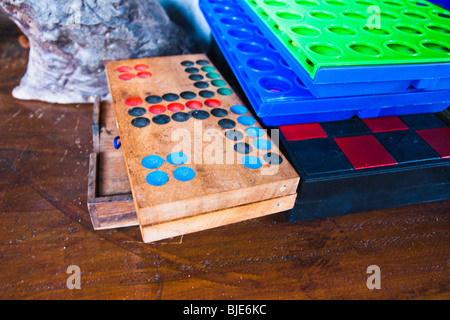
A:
354, 80
277, 95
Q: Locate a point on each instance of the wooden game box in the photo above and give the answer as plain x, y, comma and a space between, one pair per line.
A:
244, 194
110, 201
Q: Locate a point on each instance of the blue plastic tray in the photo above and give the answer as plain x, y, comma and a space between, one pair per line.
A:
339, 81
277, 94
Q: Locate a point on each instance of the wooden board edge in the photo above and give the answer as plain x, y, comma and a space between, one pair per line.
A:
233, 198
125, 216
92, 177
96, 124
116, 211
156, 232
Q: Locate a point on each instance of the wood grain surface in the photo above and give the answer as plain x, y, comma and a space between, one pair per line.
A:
45, 227
221, 181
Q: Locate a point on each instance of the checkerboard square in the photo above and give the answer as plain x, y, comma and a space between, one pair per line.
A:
438, 139
345, 128
406, 146
385, 124
422, 121
365, 152
302, 131
318, 156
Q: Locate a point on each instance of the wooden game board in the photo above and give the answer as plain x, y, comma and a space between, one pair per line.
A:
174, 115
110, 201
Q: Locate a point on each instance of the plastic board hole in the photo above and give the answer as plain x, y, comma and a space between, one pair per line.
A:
364, 3
231, 21
402, 48
393, 3
275, 84
263, 13
288, 16
410, 29
380, 32
443, 15
365, 49
422, 4
322, 15
240, 33
277, 28
293, 44
249, 47
354, 15
261, 64
224, 10
437, 47
299, 82
438, 28
308, 31
310, 63
342, 30
274, 3
337, 3
388, 15
415, 15
325, 50
307, 3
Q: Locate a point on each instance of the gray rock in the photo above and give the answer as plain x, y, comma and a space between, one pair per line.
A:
71, 40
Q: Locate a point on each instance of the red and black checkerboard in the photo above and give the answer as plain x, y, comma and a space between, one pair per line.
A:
347, 166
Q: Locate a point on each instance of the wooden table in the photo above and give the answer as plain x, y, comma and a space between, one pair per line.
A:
45, 227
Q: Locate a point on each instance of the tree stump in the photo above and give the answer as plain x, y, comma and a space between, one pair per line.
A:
70, 42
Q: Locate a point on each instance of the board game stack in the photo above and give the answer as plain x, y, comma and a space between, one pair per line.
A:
358, 47
359, 112
282, 92
354, 112
359, 165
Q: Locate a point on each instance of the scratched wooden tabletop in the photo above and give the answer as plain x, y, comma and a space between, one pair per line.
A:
45, 228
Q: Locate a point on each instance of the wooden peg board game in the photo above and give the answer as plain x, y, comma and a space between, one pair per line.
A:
190, 145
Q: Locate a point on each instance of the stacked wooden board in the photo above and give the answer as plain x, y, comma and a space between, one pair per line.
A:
194, 155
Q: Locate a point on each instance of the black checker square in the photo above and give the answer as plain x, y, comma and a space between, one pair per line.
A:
406, 146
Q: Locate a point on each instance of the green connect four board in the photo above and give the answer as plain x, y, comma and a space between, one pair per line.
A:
338, 33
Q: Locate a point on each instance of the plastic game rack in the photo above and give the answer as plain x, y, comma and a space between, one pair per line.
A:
277, 94
338, 48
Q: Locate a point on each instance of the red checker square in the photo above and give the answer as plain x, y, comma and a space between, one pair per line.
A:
364, 152
303, 131
384, 124
438, 139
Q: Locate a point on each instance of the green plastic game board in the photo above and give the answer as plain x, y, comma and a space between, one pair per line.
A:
339, 33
